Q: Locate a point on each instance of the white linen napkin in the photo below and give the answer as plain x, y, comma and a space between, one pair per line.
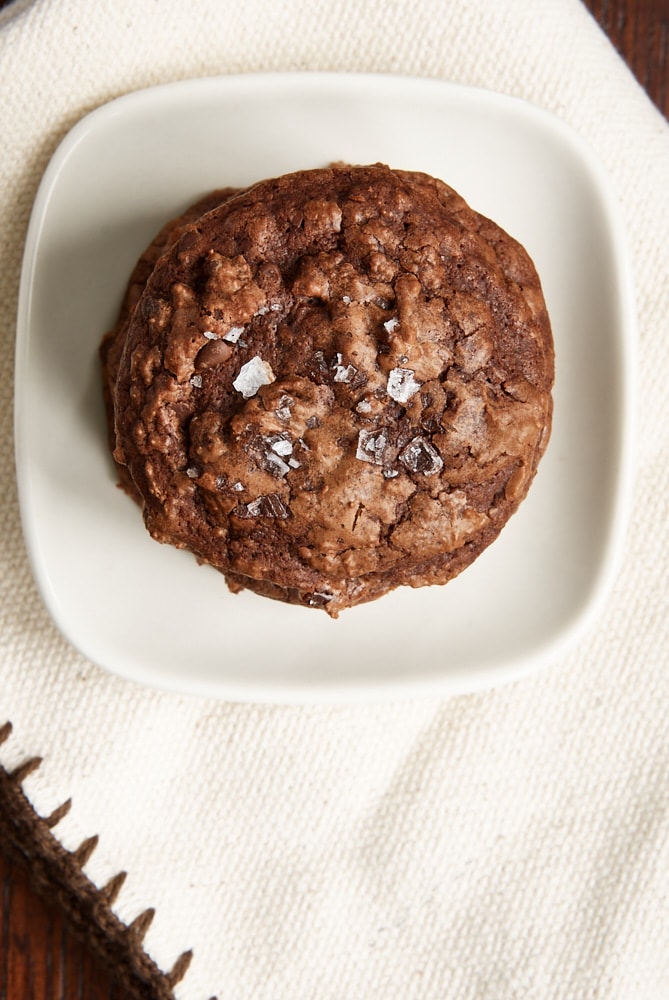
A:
512, 843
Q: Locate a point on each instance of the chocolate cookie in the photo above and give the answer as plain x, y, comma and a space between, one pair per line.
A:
336, 382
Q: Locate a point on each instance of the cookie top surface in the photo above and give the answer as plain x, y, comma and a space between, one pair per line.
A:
113, 343
336, 382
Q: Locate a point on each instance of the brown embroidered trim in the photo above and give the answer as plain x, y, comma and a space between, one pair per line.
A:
57, 874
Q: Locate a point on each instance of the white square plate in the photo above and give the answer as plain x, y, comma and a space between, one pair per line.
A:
149, 612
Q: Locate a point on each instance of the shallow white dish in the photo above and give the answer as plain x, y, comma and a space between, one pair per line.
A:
149, 612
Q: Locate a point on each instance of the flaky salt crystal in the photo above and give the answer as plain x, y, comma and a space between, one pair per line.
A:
402, 385
391, 324
233, 334
364, 406
210, 335
345, 373
277, 462
371, 446
196, 381
252, 375
267, 506
420, 456
318, 599
282, 446
277, 448
238, 487
283, 410
192, 472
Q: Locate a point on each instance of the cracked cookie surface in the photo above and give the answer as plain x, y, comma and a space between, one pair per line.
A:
334, 383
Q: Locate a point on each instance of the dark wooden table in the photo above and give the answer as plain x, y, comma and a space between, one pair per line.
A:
40, 959
639, 29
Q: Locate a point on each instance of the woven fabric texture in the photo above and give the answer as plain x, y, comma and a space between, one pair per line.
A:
506, 844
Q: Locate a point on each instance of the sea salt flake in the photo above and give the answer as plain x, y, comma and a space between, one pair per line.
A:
318, 599
283, 410
346, 299
345, 373
210, 335
402, 385
238, 487
293, 463
277, 447
196, 381
319, 358
364, 406
275, 307
267, 506
371, 446
420, 456
192, 472
252, 376
233, 334
390, 473
278, 463
391, 324
282, 446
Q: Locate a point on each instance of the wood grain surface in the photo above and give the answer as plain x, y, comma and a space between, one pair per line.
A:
639, 29
40, 958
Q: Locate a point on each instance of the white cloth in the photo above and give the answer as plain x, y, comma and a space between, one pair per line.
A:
513, 843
